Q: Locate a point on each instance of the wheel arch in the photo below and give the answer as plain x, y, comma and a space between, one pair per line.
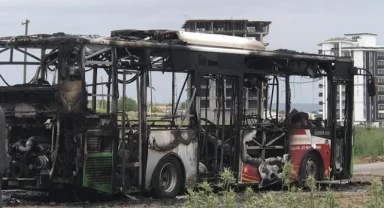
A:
321, 160
177, 157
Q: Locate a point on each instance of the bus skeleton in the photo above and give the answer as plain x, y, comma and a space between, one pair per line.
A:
55, 139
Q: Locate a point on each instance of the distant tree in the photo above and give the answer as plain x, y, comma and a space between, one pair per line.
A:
102, 104
182, 105
130, 104
156, 110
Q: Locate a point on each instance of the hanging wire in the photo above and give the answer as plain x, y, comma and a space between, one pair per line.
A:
4, 80
294, 89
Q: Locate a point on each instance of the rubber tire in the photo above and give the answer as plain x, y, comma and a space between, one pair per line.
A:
159, 192
315, 158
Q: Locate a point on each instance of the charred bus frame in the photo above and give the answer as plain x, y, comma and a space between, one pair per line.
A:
113, 157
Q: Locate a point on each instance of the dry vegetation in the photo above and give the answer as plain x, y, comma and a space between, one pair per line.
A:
369, 145
369, 141
308, 196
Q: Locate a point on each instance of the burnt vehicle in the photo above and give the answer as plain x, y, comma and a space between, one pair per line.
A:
57, 136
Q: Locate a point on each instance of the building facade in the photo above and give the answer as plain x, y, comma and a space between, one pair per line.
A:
235, 27
367, 54
241, 28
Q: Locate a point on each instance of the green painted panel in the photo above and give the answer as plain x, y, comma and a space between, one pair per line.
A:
352, 162
97, 172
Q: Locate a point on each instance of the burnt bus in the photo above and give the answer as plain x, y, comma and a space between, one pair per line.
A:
58, 136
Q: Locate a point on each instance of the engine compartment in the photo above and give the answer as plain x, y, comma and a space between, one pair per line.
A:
27, 108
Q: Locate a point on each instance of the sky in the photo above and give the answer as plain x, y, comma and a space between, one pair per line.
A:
296, 25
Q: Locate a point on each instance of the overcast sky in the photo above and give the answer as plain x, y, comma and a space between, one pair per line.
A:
296, 24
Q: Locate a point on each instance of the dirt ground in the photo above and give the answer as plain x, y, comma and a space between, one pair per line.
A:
368, 159
356, 194
349, 195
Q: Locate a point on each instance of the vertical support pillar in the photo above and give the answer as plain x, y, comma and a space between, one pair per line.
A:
340, 104
109, 92
138, 84
43, 68
81, 67
123, 131
232, 116
223, 86
287, 99
239, 122
60, 71
349, 92
287, 111
11, 55
277, 98
331, 120
261, 97
173, 96
218, 112
114, 80
173, 87
25, 54
143, 118
331, 101
195, 121
94, 88
143, 125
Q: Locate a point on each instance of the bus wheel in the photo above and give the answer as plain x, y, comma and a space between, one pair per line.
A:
167, 178
310, 167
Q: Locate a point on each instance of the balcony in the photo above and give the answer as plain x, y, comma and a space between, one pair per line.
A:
380, 99
380, 92
379, 80
380, 64
380, 55
380, 72
380, 107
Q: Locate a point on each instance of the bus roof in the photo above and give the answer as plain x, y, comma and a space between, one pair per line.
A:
165, 39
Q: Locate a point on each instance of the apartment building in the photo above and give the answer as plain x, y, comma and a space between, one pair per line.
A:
367, 54
237, 27
233, 27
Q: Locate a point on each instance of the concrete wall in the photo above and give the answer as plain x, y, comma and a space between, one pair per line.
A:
358, 57
326, 47
365, 40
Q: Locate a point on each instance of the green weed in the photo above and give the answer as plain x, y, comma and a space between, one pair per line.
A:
369, 141
377, 198
294, 197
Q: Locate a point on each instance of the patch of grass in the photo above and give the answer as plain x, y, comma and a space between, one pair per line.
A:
293, 198
369, 142
377, 195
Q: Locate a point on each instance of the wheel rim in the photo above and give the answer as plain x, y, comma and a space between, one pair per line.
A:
310, 168
168, 177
